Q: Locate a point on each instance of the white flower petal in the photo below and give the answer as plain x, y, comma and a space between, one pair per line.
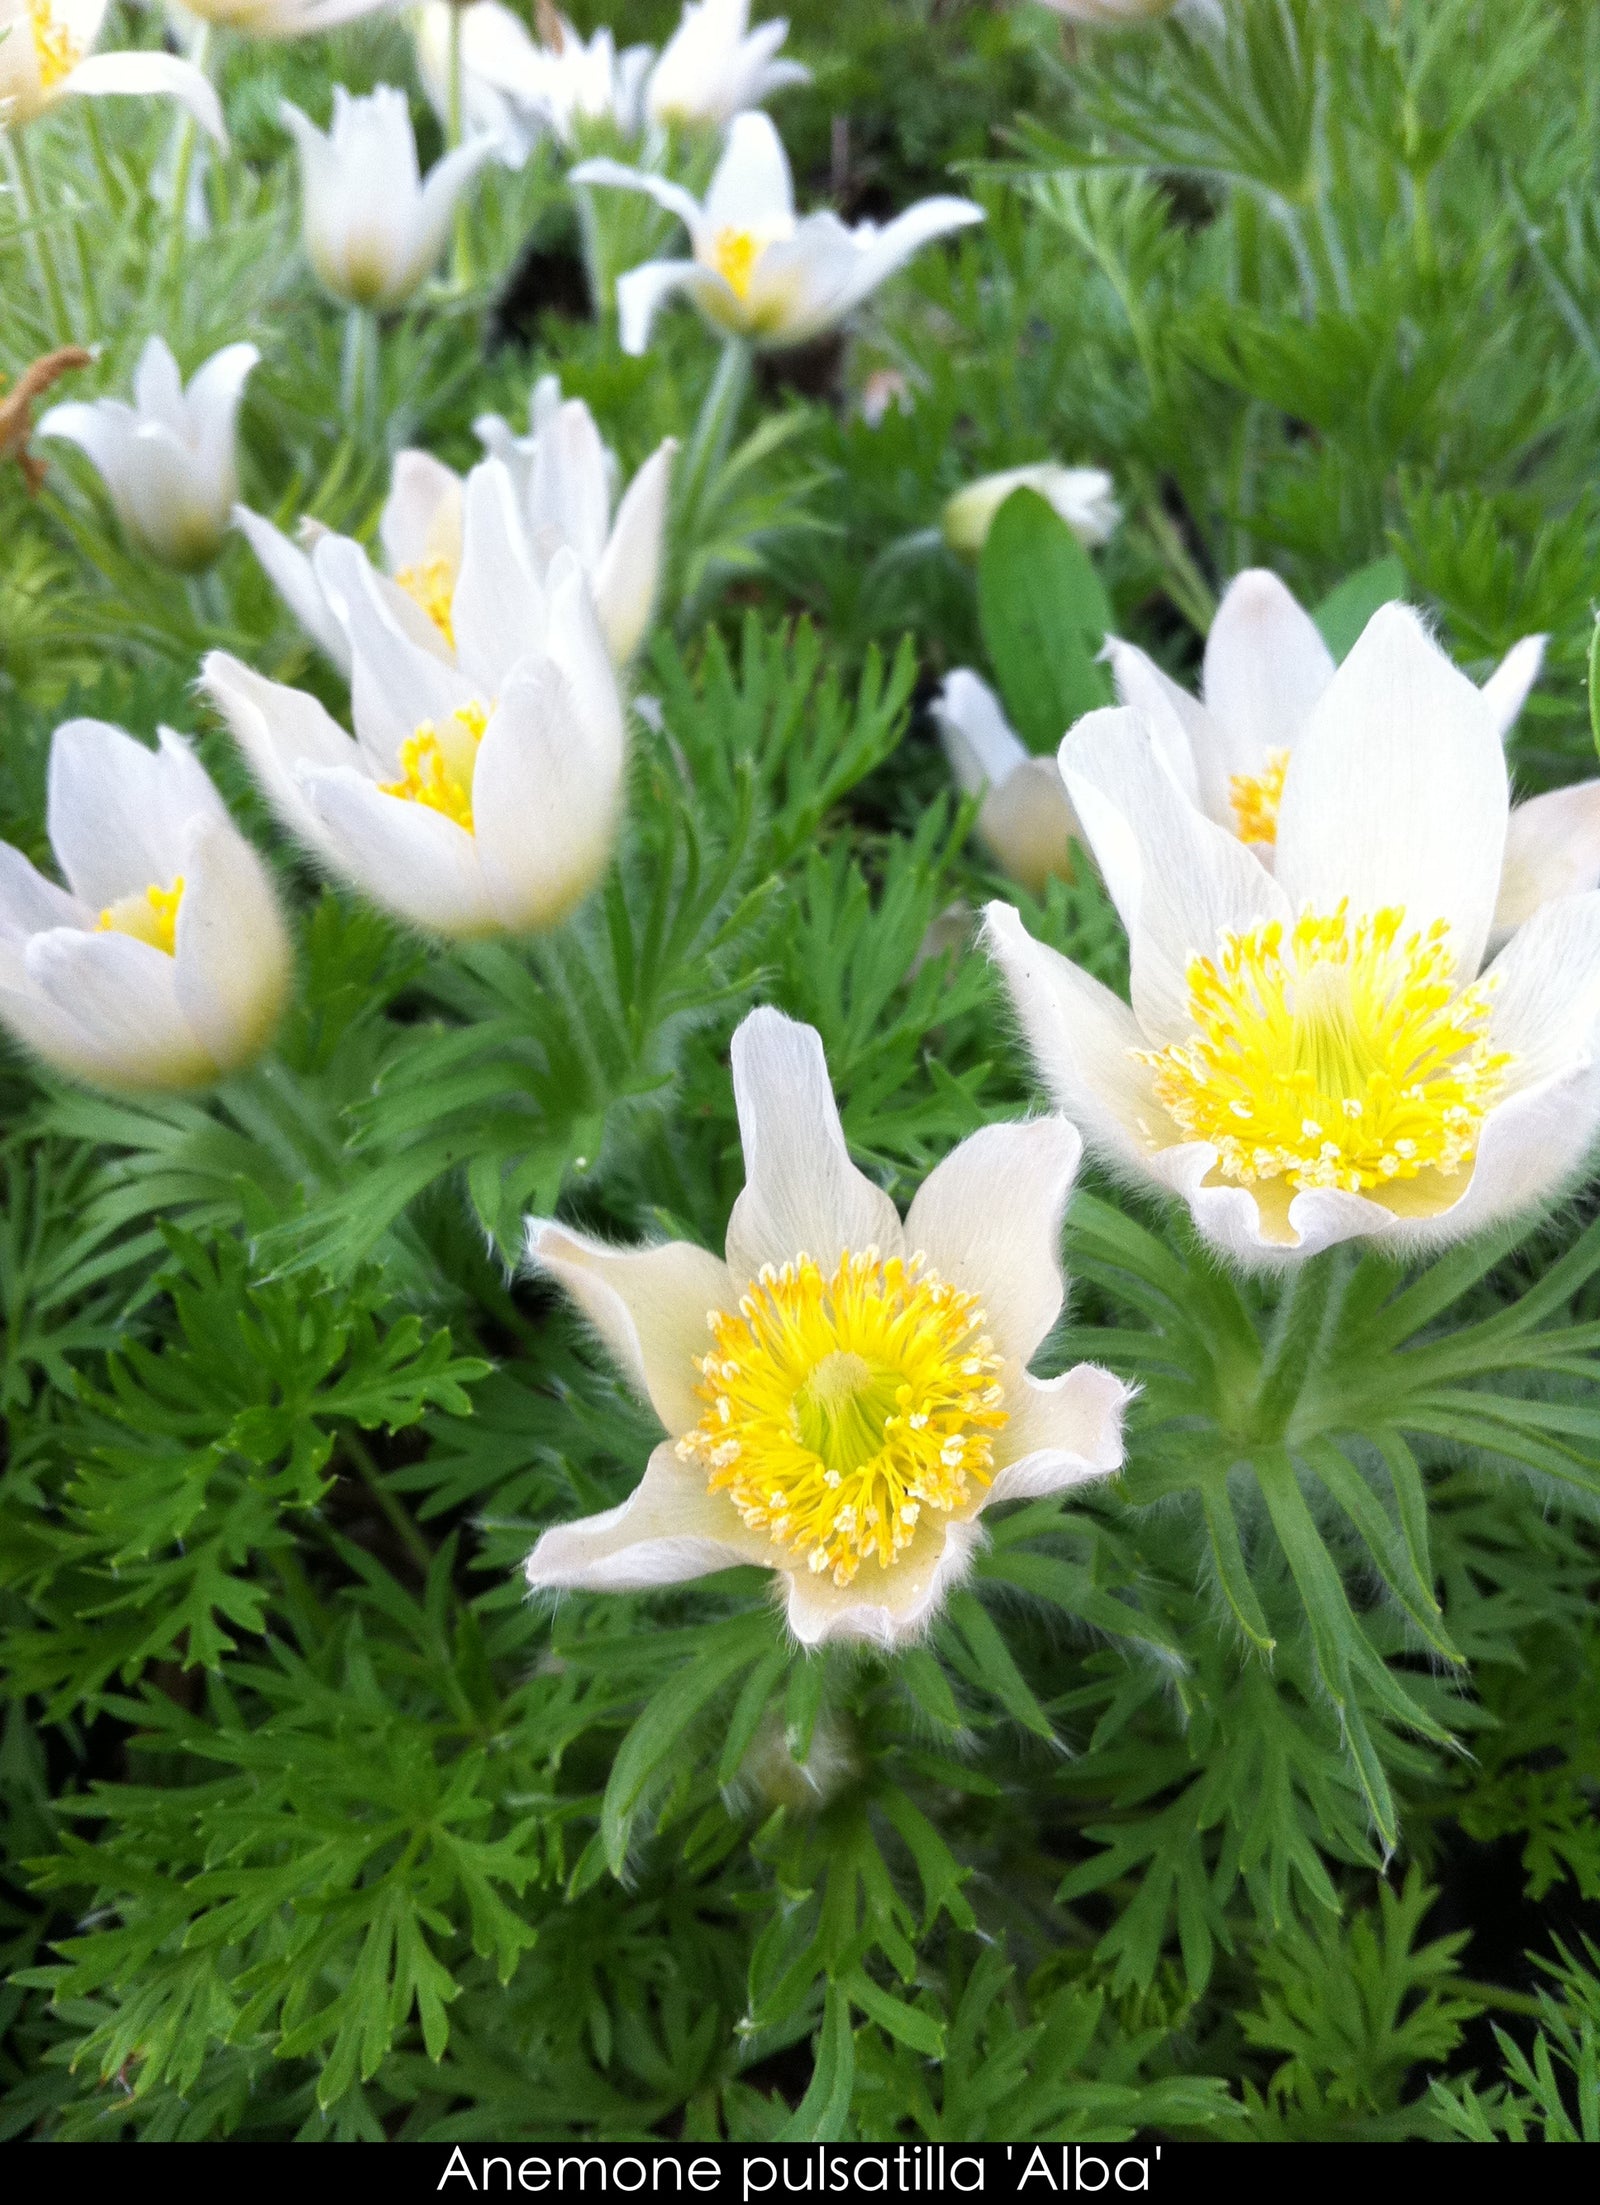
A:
886, 1608
1081, 1037
278, 729
883, 253
545, 809
649, 1306
989, 1220
627, 580
1396, 793
118, 813
643, 290
666, 194
1028, 825
232, 961
1060, 1432
669, 1529
1506, 690
1545, 991
578, 649
405, 856
422, 516
211, 406
396, 685
983, 748
116, 995
1179, 881
144, 74
500, 612
1187, 740
569, 491
751, 188
1552, 849
29, 903
1266, 666
290, 572
802, 1194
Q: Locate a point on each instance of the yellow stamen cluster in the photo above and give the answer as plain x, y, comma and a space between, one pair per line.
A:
149, 916
432, 585
734, 254
1255, 798
1339, 1056
58, 52
839, 1408
437, 764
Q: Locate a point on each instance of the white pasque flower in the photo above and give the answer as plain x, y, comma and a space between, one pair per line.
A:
373, 229
164, 962
1314, 1054
1266, 669
758, 271
482, 791
561, 475
169, 461
713, 66
1084, 497
843, 1395
47, 54
1025, 822
517, 87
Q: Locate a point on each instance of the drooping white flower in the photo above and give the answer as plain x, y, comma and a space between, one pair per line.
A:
1025, 823
758, 271
562, 476
1315, 1054
713, 66
373, 229
168, 461
1085, 498
164, 962
1266, 670
482, 790
858, 1393
47, 54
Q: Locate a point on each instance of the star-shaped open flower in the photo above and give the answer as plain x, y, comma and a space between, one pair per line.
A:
843, 1395
1315, 1054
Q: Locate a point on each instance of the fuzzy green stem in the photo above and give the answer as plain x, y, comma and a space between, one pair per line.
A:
713, 431
43, 247
1292, 1349
183, 168
358, 377
454, 123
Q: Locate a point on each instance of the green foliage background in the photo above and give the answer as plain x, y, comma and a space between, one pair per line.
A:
314, 1826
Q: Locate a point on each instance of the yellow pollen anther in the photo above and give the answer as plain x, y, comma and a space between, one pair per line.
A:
840, 1409
1255, 798
437, 764
149, 915
58, 52
734, 254
432, 585
1339, 1056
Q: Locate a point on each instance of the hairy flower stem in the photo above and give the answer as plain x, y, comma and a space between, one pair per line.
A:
358, 378
27, 188
713, 434
183, 166
455, 108
1292, 1348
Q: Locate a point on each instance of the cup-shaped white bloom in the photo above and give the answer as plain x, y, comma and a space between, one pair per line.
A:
713, 66
163, 963
373, 228
482, 790
1316, 1054
1266, 670
1025, 822
561, 476
47, 54
1084, 497
759, 272
843, 1395
582, 80
168, 461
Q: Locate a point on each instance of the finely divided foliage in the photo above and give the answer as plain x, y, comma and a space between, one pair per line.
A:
798, 1269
